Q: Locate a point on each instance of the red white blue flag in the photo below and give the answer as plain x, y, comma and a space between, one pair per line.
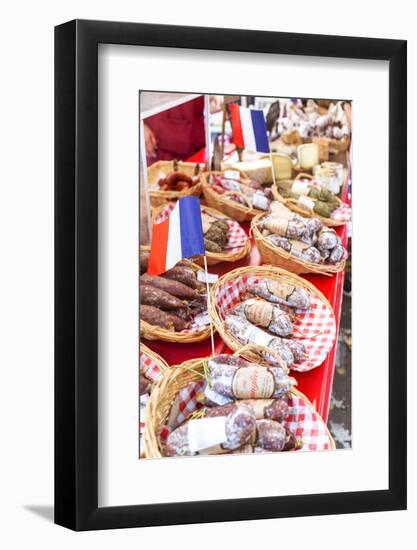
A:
180, 236
249, 129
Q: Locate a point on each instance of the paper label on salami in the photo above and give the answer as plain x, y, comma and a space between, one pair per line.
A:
260, 201
300, 187
204, 277
306, 201
277, 225
206, 432
232, 174
254, 335
259, 312
282, 290
253, 382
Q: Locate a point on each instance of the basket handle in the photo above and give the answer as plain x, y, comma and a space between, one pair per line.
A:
304, 175
258, 348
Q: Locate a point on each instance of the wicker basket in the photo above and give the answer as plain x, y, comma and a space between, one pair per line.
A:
213, 258
165, 392
225, 204
293, 205
261, 272
161, 168
276, 256
152, 332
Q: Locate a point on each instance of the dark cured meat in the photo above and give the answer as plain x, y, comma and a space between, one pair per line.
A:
180, 290
152, 296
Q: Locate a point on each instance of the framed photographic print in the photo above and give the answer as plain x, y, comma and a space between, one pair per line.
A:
230, 275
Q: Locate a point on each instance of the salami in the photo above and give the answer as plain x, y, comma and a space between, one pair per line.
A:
248, 380
143, 262
272, 409
180, 290
266, 315
184, 275
156, 297
282, 293
221, 429
270, 435
247, 333
156, 317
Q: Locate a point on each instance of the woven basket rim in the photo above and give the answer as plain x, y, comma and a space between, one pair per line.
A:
195, 369
266, 271
275, 250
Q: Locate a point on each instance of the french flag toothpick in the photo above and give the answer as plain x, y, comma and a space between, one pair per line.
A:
249, 129
180, 236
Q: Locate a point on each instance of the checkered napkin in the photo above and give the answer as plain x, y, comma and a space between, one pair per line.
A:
236, 237
149, 368
302, 420
315, 327
305, 424
151, 371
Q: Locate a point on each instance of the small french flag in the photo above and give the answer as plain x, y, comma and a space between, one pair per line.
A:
180, 236
249, 129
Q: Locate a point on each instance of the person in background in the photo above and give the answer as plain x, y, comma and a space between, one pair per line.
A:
175, 133
179, 132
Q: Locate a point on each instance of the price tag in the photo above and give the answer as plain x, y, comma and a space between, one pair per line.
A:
210, 278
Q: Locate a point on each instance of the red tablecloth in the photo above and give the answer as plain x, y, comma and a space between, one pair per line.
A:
315, 384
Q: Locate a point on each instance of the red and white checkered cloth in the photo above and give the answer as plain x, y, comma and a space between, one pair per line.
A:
316, 326
302, 420
149, 368
152, 372
236, 237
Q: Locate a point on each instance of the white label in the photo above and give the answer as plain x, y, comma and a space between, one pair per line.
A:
300, 187
230, 185
260, 201
204, 277
254, 335
206, 432
305, 201
217, 397
232, 174
202, 319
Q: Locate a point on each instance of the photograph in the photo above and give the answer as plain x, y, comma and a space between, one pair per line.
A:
245, 269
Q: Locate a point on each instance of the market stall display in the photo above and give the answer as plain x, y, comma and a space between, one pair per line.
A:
180, 416
288, 324
171, 180
242, 314
224, 238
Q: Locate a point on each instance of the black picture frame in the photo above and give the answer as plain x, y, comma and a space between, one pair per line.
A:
76, 271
